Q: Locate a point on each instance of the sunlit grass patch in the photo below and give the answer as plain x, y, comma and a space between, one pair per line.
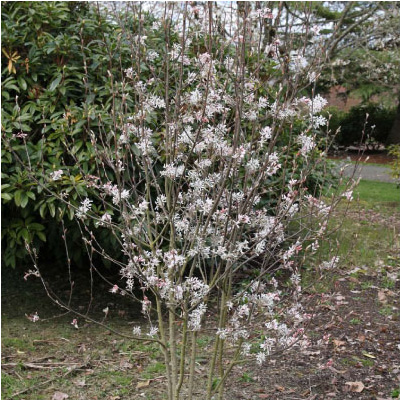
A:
374, 192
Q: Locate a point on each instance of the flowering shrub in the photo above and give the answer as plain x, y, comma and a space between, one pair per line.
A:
199, 172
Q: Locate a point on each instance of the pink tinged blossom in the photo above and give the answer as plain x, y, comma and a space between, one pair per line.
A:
243, 219
274, 283
146, 305
20, 135
114, 289
243, 311
33, 317
326, 338
155, 102
348, 195
268, 344
173, 260
106, 218
74, 323
31, 272
56, 175
298, 62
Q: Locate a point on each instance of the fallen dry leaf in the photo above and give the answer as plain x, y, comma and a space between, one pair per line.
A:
357, 387
81, 348
125, 364
59, 396
143, 384
80, 382
382, 297
338, 343
361, 337
365, 354
337, 371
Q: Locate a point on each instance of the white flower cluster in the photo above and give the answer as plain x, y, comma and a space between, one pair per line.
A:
84, 208
307, 144
331, 264
173, 171
114, 190
56, 175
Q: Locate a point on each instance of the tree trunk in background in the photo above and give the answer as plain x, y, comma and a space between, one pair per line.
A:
394, 135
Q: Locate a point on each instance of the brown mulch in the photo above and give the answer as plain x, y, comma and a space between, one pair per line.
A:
372, 158
361, 360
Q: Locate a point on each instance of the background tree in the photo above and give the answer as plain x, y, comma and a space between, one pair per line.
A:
365, 57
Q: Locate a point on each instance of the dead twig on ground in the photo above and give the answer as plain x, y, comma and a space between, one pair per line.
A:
77, 368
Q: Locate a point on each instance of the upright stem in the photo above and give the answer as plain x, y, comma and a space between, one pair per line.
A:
216, 347
164, 349
174, 361
183, 356
192, 365
212, 367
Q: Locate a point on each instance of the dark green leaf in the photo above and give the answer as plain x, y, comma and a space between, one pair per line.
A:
55, 83
17, 197
24, 200
41, 236
22, 83
52, 209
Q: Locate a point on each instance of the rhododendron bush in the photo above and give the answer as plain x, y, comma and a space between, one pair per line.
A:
202, 175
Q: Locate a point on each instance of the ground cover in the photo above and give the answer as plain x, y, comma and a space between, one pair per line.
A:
355, 329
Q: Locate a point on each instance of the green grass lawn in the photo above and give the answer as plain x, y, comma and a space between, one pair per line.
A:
362, 231
374, 192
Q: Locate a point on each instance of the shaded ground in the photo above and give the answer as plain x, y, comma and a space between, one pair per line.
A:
361, 359
358, 313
